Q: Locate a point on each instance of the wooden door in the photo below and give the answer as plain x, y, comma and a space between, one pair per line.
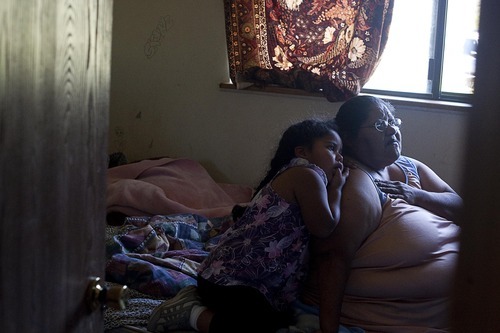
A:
476, 306
54, 99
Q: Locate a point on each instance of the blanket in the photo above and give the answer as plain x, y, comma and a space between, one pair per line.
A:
156, 257
170, 186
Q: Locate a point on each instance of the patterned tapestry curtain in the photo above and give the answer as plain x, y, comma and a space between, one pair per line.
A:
327, 46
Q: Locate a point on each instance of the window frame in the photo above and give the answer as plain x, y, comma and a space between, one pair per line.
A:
397, 101
435, 68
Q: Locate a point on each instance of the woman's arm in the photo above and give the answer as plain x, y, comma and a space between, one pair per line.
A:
436, 195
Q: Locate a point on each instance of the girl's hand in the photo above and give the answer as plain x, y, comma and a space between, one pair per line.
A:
338, 179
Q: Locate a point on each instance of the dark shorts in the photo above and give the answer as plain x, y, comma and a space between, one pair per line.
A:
240, 309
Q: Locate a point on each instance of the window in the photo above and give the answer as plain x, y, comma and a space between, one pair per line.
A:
430, 52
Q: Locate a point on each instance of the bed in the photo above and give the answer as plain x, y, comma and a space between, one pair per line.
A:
163, 217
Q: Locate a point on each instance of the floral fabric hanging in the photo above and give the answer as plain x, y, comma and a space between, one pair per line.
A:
328, 46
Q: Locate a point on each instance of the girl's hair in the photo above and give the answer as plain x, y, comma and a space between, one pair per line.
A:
303, 133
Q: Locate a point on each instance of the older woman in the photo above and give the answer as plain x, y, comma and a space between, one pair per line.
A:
391, 261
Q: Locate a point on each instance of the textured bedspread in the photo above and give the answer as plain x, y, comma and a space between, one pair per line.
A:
156, 257
170, 211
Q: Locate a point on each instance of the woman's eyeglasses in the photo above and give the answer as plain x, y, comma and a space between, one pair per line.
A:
382, 124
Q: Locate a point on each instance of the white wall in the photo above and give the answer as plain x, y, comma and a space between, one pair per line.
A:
166, 100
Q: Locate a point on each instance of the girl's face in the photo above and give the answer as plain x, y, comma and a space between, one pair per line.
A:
325, 153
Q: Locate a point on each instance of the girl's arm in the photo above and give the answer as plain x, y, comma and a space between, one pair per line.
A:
319, 204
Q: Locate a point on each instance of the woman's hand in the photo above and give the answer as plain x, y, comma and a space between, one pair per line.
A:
445, 202
397, 190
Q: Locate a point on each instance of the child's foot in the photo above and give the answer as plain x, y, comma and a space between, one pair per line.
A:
173, 314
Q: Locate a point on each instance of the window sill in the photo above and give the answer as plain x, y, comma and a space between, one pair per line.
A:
394, 100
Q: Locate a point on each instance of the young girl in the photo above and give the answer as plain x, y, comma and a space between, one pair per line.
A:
249, 280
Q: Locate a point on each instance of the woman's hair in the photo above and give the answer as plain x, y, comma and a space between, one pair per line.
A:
304, 134
354, 112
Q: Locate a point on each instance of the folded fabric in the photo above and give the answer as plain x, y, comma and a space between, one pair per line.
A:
170, 186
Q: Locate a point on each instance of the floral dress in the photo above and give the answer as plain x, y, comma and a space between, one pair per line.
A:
267, 248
